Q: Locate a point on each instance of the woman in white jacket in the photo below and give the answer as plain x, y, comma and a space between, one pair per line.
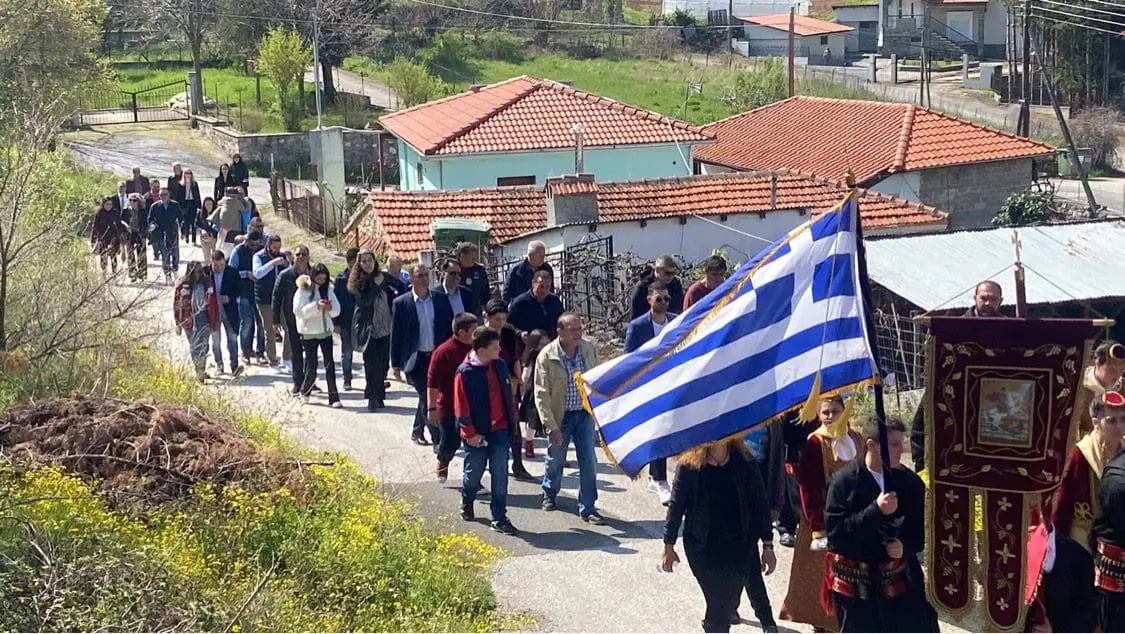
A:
314, 306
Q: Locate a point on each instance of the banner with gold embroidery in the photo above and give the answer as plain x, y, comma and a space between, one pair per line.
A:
1001, 417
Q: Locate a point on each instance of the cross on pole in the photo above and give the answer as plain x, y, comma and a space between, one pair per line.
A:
1021, 287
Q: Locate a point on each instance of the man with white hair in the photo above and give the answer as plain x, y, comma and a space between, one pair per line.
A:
519, 278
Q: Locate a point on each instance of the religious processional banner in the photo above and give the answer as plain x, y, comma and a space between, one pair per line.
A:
1001, 409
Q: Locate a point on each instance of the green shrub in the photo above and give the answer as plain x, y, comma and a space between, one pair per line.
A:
412, 82
1024, 208
498, 45
251, 120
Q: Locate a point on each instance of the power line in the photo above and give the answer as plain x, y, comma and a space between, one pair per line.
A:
1075, 25
1083, 8
1121, 27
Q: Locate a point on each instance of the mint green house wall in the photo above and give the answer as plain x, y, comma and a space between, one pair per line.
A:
481, 170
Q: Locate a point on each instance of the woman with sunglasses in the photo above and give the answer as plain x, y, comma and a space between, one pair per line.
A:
1076, 500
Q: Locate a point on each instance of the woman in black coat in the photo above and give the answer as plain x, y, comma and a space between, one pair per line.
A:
719, 488
239, 172
371, 325
222, 182
189, 207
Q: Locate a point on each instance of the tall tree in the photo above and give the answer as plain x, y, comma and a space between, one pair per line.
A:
195, 20
283, 58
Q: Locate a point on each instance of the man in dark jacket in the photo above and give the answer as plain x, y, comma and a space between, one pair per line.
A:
537, 309
164, 223
225, 281
138, 184
242, 260
343, 322
282, 306
639, 332
474, 276
420, 322
175, 184
520, 277
268, 263
664, 270
461, 299
987, 299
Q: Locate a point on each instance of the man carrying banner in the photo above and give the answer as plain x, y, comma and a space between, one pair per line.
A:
874, 537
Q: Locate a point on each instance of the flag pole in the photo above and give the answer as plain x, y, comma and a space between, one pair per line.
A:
865, 292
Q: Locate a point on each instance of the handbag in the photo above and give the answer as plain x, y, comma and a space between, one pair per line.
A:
361, 333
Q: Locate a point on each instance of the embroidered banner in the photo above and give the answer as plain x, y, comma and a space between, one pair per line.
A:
1001, 415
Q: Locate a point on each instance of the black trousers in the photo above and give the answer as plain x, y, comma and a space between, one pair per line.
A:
721, 584
910, 612
449, 440
1111, 611
790, 506
376, 357
296, 354
756, 589
417, 379
515, 434
310, 348
658, 470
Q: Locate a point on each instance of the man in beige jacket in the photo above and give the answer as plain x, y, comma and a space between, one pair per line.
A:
560, 407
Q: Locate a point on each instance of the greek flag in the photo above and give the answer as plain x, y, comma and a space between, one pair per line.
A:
786, 327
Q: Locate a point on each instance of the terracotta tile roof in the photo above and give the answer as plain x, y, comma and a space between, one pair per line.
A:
525, 113
398, 221
828, 136
803, 25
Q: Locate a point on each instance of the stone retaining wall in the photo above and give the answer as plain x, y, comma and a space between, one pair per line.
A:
361, 147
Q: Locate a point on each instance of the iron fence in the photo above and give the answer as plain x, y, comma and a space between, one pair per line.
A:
159, 103
901, 344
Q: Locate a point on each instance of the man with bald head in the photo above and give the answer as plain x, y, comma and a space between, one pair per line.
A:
420, 322
987, 299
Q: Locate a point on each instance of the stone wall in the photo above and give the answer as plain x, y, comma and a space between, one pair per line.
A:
973, 194
361, 147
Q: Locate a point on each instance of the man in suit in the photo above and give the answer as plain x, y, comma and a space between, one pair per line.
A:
226, 284
639, 331
420, 322
281, 305
138, 184
664, 270
121, 200
460, 298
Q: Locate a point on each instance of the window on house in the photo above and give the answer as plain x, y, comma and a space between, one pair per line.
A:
824, 40
513, 181
418, 172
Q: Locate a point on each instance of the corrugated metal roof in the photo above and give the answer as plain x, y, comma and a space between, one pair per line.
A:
933, 271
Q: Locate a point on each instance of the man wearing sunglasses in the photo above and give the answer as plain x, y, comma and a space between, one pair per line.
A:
664, 270
640, 330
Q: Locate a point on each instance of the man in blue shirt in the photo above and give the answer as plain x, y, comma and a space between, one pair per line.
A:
242, 260
268, 262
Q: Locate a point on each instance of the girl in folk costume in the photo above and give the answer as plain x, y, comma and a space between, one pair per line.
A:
1076, 500
829, 448
1106, 370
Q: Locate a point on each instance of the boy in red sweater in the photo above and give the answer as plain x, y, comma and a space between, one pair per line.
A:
439, 387
485, 410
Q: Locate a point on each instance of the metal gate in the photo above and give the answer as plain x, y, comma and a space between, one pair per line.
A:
159, 103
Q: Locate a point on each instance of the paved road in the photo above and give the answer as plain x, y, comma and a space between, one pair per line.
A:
381, 95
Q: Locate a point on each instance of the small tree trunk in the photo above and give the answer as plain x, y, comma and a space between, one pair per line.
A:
328, 92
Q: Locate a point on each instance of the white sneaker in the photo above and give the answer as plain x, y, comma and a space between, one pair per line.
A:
665, 492
285, 368
336, 404
652, 487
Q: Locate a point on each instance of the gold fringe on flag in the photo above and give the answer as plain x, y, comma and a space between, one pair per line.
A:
809, 409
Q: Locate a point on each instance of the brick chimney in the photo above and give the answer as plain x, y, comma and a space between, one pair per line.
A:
572, 199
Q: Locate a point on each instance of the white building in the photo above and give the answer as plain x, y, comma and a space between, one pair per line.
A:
700, 9
768, 35
864, 18
953, 27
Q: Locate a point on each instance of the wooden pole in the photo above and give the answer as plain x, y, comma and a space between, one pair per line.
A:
1082, 173
1025, 84
792, 19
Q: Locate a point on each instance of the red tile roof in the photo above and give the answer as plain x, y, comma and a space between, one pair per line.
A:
803, 25
399, 222
525, 113
828, 136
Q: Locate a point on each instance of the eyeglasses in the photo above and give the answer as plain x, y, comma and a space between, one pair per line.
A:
663, 299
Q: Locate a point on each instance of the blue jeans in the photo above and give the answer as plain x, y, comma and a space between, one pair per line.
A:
346, 351
579, 427
495, 453
232, 342
250, 320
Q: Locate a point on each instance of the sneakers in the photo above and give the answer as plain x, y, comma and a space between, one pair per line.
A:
662, 490
442, 473
788, 540
347, 385
504, 526
286, 368
468, 514
336, 404
594, 518
549, 505
520, 473
529, 449
238, 370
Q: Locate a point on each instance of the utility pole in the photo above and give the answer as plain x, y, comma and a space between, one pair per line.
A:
730, 34
316, 65
792, 26
922, 59
1066, 133
1025, 83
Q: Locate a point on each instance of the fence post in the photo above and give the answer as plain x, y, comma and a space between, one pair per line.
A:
136, 116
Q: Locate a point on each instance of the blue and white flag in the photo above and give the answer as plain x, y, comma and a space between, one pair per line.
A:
748, 352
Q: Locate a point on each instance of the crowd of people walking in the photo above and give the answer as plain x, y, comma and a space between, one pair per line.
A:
492, 368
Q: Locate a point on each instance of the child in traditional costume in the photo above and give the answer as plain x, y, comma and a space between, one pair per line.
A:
828, 449
1109, 512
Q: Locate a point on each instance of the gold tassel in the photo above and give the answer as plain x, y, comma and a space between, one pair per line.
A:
839, 429
809, 411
